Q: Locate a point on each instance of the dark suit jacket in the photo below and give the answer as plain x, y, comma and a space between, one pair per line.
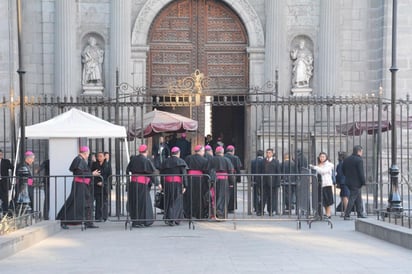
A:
352, 168
159, 158
4, 172
257, 167
272, 167
288, 167
5, 166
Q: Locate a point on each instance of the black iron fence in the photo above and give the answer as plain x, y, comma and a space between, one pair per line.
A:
305, 124
296, 198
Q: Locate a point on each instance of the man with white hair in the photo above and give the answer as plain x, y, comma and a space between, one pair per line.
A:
24, 171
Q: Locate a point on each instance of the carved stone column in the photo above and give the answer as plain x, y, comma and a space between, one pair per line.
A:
256, 63
120, 37
326, 72
64, 47
275, 41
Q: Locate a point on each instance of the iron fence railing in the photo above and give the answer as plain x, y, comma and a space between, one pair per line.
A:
287, 124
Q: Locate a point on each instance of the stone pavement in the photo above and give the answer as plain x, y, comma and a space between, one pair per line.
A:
212, 247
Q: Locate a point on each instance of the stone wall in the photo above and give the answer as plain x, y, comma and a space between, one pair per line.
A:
360, 46
404, 56
48, 36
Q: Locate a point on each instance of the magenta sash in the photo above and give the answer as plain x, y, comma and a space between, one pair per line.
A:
82, 180
140, 179
221, 175
173, 179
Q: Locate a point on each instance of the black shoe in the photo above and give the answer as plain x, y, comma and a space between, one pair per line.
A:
91, 226
347, 218
258, 214
170, 223
64, 226
362, 216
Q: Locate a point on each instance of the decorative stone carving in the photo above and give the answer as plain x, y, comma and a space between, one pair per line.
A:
302, 67
92, 60
245, 10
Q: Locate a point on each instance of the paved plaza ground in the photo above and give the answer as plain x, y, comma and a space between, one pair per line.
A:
212, 247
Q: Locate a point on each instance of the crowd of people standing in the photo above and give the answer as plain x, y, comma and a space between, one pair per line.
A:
203, 184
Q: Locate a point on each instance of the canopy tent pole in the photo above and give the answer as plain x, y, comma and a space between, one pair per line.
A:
127, 150
13, 182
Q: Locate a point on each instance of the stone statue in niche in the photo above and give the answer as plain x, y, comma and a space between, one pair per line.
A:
302, 69
92, 60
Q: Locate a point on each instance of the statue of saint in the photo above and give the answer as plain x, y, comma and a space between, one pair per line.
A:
302, 69
92, 59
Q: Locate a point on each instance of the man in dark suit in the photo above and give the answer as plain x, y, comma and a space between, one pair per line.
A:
271, 184
160, 152
352, 168
5, 167
237, 165
257, 167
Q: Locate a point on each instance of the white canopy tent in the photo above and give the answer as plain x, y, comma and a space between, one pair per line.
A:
63, 133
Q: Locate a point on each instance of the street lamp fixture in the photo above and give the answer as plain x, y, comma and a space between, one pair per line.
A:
395, 202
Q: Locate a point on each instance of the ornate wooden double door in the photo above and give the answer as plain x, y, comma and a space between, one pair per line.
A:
198, 34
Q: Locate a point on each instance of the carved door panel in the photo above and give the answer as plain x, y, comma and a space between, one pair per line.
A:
198, 34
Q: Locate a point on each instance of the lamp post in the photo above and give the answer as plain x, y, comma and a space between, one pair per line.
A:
117, 149
21, 72
395, 203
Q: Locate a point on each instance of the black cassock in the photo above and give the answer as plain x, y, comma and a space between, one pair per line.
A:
195, 199
139, 201
172, 185
220, 170
78, 206
237, 165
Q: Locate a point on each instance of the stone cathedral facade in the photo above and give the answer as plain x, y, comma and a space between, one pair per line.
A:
313, 47
350, 42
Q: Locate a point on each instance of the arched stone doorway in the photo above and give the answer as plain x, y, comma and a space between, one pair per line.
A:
207, 35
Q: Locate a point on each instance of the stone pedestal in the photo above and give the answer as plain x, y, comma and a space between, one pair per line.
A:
92, 90
301, 91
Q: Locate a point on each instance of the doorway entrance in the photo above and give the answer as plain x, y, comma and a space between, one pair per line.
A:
228, 125
206, 35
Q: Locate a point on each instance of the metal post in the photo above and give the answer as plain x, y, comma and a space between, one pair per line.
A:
395, 203
141, 121
117, 149
21, 72
378, 161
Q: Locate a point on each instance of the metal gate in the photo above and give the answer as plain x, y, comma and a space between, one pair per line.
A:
286, 124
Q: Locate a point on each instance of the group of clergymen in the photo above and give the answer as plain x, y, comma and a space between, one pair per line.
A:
188, 192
